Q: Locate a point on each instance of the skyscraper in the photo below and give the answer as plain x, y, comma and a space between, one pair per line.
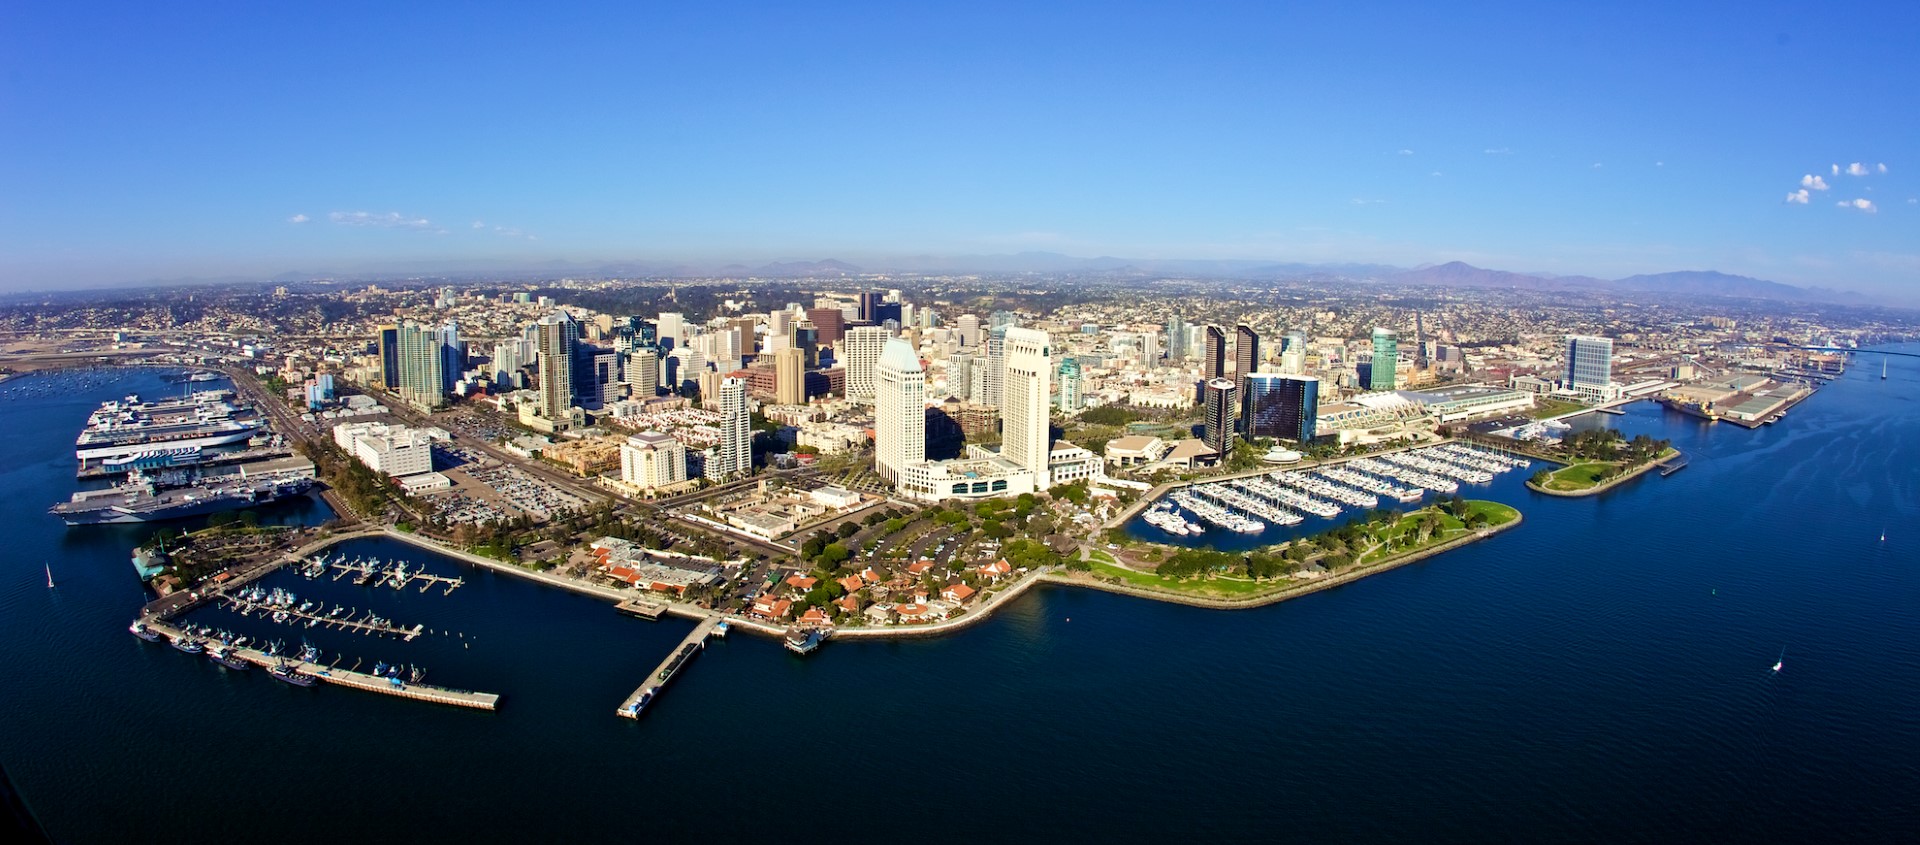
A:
864, 344
1246, 351
388, 341
899, 410
1293, 353
1419, 342
1281, 405
1069, 385
736, 431
555, 337
960, 375
1176, 339
993, 385
642, 372
1386, 357
1026, 435
1222, 402
672, 329
422, 359
830, 324
1214, 364
870, 307
1589, 363
790, 376
969, 327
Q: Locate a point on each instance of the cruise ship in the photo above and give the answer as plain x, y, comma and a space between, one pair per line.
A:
140, 500
128, 428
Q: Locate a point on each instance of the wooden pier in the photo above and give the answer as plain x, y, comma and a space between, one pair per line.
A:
350, 678
246, 608
669, 668
386, 576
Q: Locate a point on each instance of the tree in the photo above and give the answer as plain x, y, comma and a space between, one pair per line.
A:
834, 554
848, 529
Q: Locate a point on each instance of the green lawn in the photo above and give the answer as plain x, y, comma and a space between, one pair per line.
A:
1579, 476
1102, 556
1553, 408
1216, 588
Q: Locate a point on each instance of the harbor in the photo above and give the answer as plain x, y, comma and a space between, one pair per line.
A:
1261, 509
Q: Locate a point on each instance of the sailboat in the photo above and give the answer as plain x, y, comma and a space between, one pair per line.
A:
1780, 662
49, 567
1883, 368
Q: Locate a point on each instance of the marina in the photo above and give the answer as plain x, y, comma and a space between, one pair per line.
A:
1272, 507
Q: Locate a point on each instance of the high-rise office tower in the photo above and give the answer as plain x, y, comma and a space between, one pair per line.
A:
870, 307
1246, 351
1176, 339
672, 328
422, 359
1589, 362
1069, 385
1386, 357
996, 370
1293, 353
1214, 364
642, 372
557, 334
1419, 342
863, 346
388, 341
736, 430
969, 328
1026, 433
830, 323
960, 375
899, 410
977, 384
1281, 405
1222, 402
790, 376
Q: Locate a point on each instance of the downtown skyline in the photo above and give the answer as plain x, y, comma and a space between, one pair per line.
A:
165, 143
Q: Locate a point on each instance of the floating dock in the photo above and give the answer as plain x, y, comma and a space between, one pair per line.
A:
670, 668
246, 608
648, 610
349, 678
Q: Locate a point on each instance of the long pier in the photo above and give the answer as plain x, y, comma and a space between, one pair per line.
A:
670, 668
388, 575
246, 608
350, 678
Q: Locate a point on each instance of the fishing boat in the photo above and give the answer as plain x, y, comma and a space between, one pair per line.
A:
189, 645
285, 671
143, 632
225, 657
1782, 661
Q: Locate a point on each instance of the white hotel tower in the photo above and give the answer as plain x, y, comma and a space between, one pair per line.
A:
899, 409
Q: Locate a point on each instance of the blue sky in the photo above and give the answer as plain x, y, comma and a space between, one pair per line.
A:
165, 140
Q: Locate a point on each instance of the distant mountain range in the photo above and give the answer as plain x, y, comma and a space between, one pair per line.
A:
1685, 282
1451, 274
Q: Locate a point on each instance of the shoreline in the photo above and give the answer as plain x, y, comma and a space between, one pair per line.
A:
1303, 589
1610, 483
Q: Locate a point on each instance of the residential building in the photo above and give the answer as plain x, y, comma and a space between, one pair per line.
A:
1026, 432
652, 461
1222, 401
899, 410
1281, 406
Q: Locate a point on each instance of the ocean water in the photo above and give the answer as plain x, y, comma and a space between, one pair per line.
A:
1599, 673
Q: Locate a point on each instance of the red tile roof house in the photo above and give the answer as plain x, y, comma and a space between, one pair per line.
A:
801, 583
870, 576
849, 603
996, 570
919, 568
852, 583
771, 607
908, 613
815, 617
957, 592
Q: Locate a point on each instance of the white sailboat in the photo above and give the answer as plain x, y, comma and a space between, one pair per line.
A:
1781, 661
49, 567
1883, 368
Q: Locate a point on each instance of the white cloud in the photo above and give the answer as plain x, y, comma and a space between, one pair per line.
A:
1836, 170
1882, 167
298, 218
1814, 182
389, 220
1659, 164
1856, 169
1435, 173
1498, 151
1913, 200
1861, 204
1598, 165
479, 225
1799, 196
1406, 152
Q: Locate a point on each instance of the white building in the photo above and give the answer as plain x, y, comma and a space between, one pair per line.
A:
863, 346
651, 460
736, 431
391, 450
899, 410
1025, 433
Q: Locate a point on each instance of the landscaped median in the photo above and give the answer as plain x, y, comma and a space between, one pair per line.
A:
1377, 547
